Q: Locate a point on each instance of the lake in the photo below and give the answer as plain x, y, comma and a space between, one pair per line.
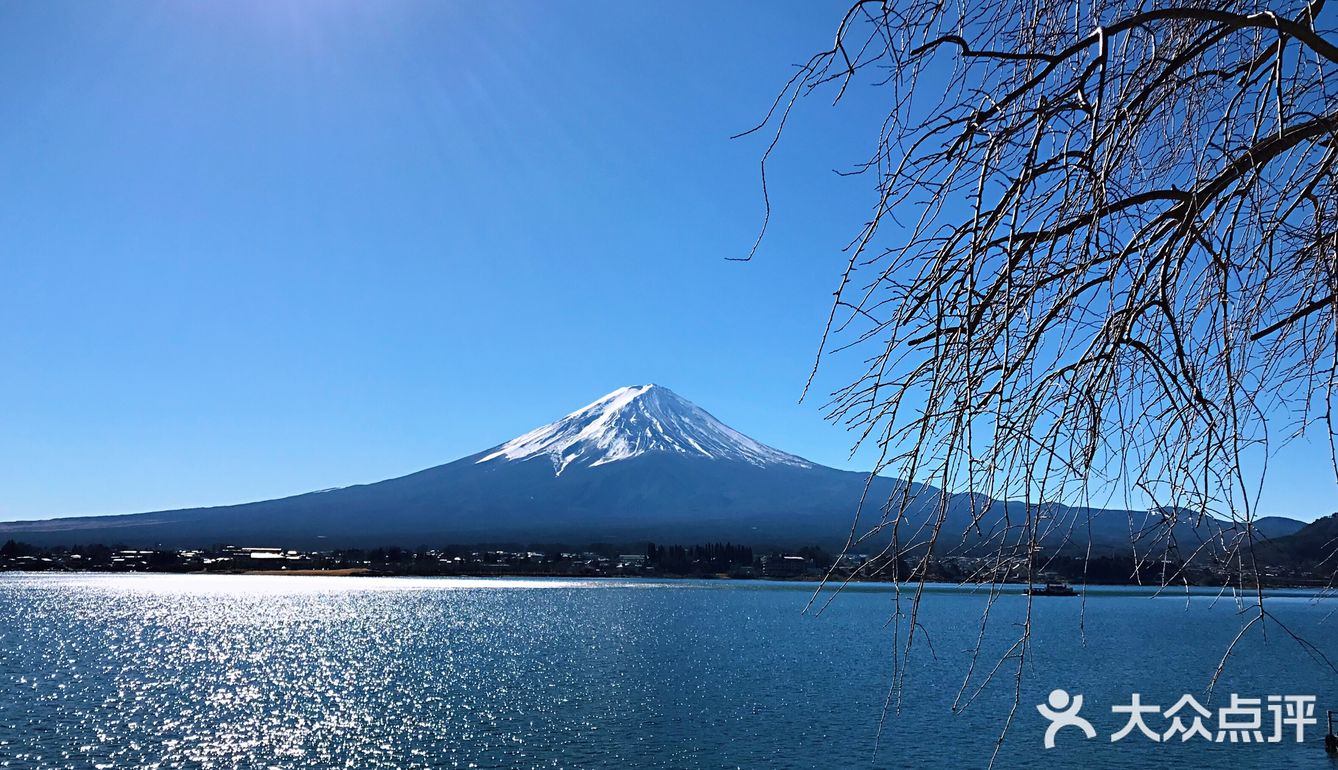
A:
260, 672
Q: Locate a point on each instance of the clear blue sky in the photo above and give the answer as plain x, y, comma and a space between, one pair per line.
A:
250, 249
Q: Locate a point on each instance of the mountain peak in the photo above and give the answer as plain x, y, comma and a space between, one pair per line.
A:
637, 420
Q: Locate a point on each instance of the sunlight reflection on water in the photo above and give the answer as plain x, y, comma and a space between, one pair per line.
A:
292, 584
287, 671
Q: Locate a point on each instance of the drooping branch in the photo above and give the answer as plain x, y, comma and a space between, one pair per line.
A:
1099, 267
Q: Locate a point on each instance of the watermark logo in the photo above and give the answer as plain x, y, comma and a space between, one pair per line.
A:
1063, 712
1243, 720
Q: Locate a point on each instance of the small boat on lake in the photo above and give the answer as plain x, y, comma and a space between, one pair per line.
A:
1052, 589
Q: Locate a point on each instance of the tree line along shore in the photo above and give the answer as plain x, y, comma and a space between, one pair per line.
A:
708, 560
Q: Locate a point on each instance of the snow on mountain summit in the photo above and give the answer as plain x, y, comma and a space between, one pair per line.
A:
633, 421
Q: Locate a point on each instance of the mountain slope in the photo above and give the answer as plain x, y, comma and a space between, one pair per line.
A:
640, 463
646, 497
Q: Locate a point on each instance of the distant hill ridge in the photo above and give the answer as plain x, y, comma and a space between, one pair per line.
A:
1311, 545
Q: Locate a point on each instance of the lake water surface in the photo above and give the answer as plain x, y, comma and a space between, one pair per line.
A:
323, 672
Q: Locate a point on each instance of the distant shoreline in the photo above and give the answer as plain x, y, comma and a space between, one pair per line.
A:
367, 572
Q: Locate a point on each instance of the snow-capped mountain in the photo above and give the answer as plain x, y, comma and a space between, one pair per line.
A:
641, 463
634, 421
